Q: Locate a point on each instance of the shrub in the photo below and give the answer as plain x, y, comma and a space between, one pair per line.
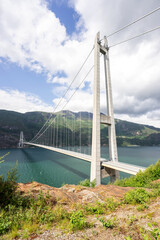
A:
142, 207
87, 183
142, 179
95, 209
152, 233
8, 187
93, 183
109, 223
77, 221
155, 232
136, 196
5, 225
111, 204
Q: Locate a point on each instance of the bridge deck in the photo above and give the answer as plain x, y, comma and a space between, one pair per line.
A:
123, 167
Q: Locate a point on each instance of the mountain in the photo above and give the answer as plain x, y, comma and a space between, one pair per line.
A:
128, 133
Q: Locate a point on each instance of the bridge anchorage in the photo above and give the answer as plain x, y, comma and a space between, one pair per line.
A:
100, 167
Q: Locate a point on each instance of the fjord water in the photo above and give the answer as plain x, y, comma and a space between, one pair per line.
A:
54, 169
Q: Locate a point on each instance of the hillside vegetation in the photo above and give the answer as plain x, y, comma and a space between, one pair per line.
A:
76, 212
11, 123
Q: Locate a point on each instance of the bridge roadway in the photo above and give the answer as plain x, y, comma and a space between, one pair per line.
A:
122, 167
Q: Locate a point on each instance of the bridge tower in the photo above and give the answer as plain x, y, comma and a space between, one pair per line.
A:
96, 171
21, 140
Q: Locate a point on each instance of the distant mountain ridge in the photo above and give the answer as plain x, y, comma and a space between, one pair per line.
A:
128, 133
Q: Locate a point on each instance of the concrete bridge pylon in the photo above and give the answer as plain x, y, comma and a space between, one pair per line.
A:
21, 140
96, 172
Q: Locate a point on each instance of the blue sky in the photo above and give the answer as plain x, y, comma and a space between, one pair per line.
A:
14, 77
44, 42
23, 79
67, 15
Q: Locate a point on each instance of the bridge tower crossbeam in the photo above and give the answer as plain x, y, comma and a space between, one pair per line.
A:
96, 172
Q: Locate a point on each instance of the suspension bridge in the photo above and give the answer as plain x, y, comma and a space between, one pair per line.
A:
67, 132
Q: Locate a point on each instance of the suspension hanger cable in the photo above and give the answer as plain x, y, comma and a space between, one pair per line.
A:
74, 79
33, 139
146, 15
151, 30
66, 102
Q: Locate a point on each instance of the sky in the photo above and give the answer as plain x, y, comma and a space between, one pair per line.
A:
43, 44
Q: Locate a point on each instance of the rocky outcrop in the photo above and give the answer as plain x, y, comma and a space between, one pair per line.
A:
130, 221
74, 193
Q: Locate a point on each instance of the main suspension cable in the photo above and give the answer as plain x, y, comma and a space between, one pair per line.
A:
134, 37
66, 102
137, 20
78, 87
33, 139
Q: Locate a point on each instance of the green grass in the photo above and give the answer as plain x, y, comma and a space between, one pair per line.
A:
20, 215
142, 179
147, 131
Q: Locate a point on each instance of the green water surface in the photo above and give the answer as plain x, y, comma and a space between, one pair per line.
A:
54, 169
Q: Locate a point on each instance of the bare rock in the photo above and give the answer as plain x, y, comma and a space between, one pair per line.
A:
73, 193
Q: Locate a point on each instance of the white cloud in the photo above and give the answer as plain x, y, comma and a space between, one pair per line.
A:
81, 101
32, 36
60, 80
59, 90
36, 39
135, 68
22, 102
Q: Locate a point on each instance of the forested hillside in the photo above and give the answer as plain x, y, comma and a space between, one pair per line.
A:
11, 123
